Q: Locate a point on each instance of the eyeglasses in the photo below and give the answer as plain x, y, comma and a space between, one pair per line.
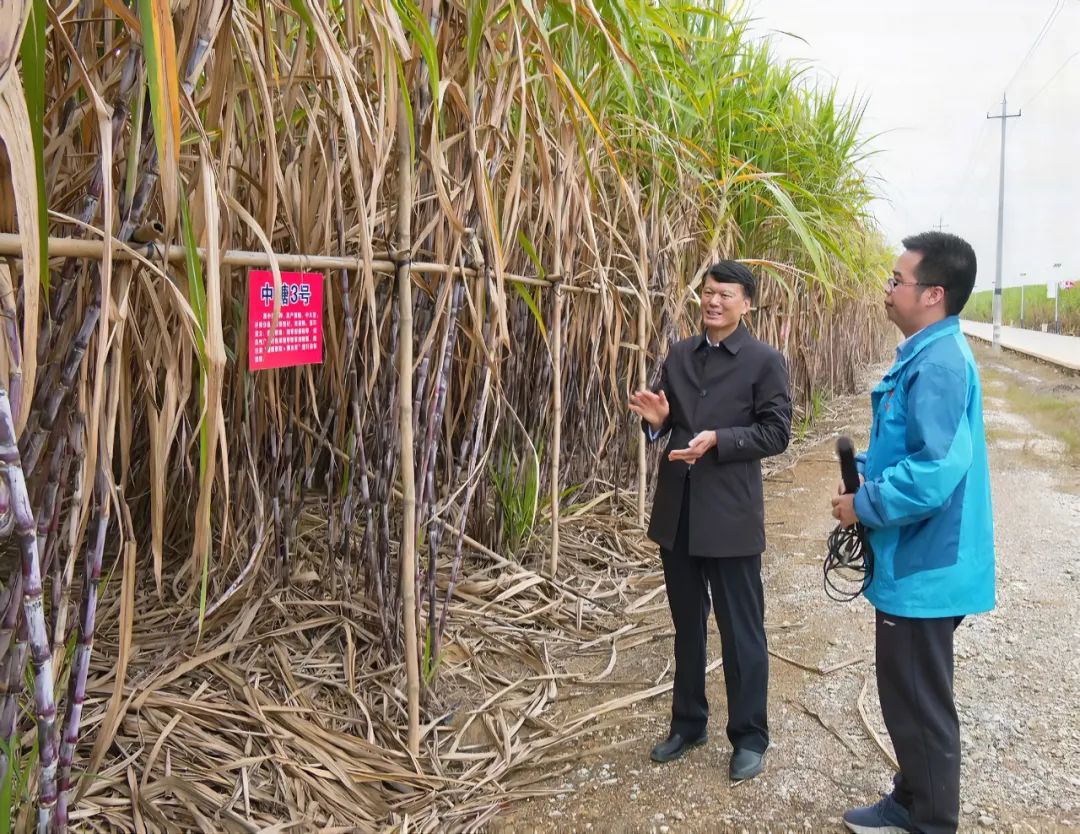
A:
893, 283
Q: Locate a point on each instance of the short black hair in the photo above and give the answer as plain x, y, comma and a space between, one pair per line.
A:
733, 272
948, 262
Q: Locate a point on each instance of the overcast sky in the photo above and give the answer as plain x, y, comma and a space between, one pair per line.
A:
930, 70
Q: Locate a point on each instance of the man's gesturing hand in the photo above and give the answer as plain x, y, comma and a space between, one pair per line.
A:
652, 408
701, 443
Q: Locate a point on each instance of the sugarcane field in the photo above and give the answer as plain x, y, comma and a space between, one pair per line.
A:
539, 416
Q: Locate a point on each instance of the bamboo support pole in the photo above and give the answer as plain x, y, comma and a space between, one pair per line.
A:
69, 247
642, 345
556, 419
407, 550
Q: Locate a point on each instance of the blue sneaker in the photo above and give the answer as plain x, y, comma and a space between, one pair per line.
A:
885, 817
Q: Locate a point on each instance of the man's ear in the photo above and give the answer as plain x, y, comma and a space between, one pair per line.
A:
938, 294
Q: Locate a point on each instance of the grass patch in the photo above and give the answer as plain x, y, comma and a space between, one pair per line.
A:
1057, 415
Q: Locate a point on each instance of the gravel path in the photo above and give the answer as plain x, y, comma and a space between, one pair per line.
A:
1017, 671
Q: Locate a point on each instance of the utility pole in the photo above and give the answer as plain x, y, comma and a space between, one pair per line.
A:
1005, 116
940, 225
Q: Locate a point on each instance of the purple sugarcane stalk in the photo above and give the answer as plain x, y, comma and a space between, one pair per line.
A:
14, 344
434, 423
49, 521
11, 681
81, 663
47, 517
65, 286
12, 600
60, 594
470, 450
33, 447
33, 611
389, 464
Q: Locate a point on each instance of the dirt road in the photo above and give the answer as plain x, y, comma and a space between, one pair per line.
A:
1017, 675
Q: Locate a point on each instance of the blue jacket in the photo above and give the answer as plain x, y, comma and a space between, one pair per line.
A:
926, 499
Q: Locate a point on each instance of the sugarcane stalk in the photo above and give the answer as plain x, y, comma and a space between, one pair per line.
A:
471, 450
358, 471
276, 510
285, 485
33, 611
435, 420
83, 648
389, 463
94, 190
62, 592
81, 15
49, 517
14, 341
11, 679
32, 448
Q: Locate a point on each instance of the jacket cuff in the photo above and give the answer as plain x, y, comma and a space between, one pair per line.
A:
864, 507
728, 444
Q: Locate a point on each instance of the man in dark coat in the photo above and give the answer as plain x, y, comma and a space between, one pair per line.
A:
724, 402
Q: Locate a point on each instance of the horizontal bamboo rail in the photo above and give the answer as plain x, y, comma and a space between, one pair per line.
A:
69, 247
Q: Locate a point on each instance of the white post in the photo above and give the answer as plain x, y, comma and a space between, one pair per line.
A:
1057, 292
1023, 275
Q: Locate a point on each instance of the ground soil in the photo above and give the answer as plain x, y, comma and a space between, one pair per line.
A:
1017, 668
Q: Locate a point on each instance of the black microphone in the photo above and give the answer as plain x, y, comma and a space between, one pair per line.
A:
849, 473
849, 555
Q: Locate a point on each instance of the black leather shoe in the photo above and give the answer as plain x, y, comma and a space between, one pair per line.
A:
746, 764
673, 747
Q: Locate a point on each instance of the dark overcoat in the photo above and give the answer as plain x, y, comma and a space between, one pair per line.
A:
739, 389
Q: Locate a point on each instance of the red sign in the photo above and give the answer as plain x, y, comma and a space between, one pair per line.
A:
298, 337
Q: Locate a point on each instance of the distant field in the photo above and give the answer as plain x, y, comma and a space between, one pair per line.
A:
1038, 309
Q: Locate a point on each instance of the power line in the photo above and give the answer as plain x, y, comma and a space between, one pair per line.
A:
1050, 80
1058, 6
972, 156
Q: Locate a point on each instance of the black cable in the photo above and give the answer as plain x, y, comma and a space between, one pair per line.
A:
849, 561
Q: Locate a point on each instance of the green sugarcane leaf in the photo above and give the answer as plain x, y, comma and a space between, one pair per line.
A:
412, 18
530, 250
196, 289
197, 296
530, 302
477, 15
304, 13
159, 48
32, 52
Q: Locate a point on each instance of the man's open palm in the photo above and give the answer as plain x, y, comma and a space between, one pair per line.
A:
702, 442
652, 408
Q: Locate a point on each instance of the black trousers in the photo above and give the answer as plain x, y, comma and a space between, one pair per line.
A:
915, 684
738, 602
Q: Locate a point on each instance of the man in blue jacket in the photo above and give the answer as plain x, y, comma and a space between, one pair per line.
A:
925, 503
